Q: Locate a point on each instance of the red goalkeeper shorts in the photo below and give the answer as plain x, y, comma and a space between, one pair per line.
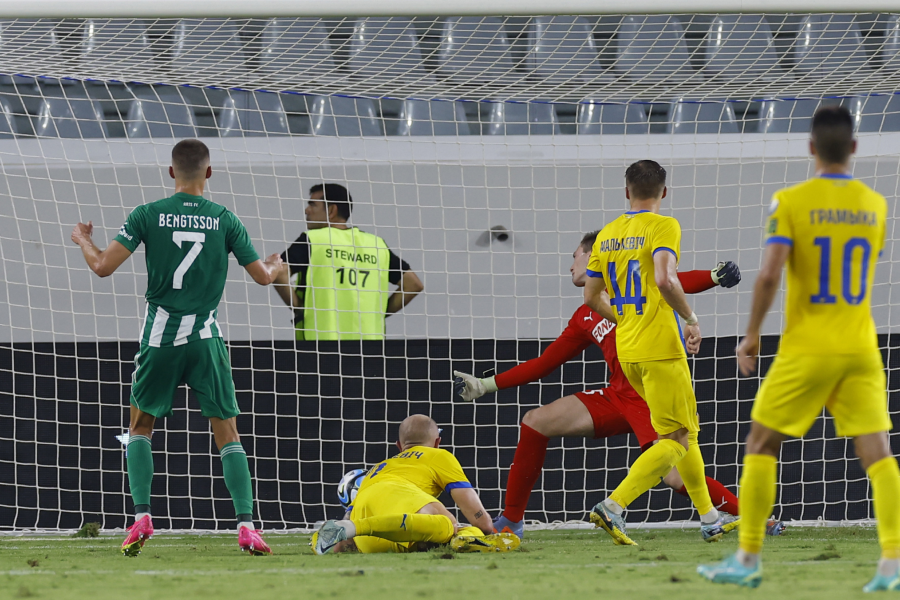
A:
615, 414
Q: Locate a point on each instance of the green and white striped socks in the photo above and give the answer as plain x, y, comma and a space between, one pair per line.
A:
140, 471
234, 466
237, 478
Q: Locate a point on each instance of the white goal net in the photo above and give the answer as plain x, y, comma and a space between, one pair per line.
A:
442, 129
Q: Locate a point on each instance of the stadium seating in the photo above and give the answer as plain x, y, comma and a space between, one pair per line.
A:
875, 113
115, 43
67, 112
561, 49
829, 44
26, 38
290, 48
611, 119
739, 47
8, 126
890, 50
786, 116
159, 112
422, 117
385, 47
532, 118
209, 49
701, 117
252, 114
475, 49
651, 48
346, 117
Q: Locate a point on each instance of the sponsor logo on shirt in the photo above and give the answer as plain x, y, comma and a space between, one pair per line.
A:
124, 233
602, 329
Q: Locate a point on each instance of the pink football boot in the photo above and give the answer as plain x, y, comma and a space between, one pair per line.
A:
138, 533
252, 542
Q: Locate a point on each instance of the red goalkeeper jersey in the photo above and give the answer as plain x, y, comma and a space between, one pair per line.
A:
587, 327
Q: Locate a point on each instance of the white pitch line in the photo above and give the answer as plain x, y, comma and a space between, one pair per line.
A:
410, 567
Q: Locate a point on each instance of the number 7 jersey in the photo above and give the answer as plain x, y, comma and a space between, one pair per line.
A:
835, 226
648, 328
187, 240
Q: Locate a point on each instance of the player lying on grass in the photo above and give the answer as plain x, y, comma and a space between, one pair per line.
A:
829, 231
187, 240
396, 507
614, 410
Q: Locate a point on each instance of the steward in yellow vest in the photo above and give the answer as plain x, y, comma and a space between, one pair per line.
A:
337, 278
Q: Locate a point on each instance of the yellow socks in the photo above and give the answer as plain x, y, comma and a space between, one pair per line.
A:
885, 476
757, 497
647, 470
693, 473
470, 531
407, 528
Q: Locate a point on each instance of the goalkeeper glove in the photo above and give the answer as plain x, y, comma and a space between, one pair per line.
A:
726, 274
470, 387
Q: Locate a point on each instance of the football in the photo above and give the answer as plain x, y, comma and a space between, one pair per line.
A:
349, 485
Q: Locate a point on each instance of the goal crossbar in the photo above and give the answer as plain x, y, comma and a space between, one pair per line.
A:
351, 8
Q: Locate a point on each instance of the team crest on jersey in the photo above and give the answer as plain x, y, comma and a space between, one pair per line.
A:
602, 329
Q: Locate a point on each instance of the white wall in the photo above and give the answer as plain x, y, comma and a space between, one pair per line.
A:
431, 199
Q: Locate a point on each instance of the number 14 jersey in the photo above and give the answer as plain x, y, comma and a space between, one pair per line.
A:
835, 227
648, 328
187, 240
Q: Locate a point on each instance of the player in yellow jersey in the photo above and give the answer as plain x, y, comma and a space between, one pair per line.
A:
633, 280
396, 508
829, 231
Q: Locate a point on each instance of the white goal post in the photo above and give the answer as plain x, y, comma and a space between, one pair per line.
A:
443, 128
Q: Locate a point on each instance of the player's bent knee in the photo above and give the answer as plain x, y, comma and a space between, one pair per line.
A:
762, 440
673, 480
436, 508
681, 436
544, 420
872, 448
532, 418
141, 423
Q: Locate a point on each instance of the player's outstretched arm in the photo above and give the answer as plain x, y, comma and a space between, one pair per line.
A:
567, 346
265, 272
102, 262
666, 276
764, 290
726, 274
471, 388
472, 509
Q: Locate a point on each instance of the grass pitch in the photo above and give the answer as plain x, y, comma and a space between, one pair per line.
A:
814, 563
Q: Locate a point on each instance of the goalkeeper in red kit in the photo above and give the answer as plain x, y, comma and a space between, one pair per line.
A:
601, 413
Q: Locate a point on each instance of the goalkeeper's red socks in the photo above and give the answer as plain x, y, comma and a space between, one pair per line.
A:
721, 498
524, 472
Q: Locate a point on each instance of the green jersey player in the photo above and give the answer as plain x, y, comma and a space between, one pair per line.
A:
187, 241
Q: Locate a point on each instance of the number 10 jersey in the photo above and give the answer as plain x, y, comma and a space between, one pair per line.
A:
648, 328
835, 227
187, 240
